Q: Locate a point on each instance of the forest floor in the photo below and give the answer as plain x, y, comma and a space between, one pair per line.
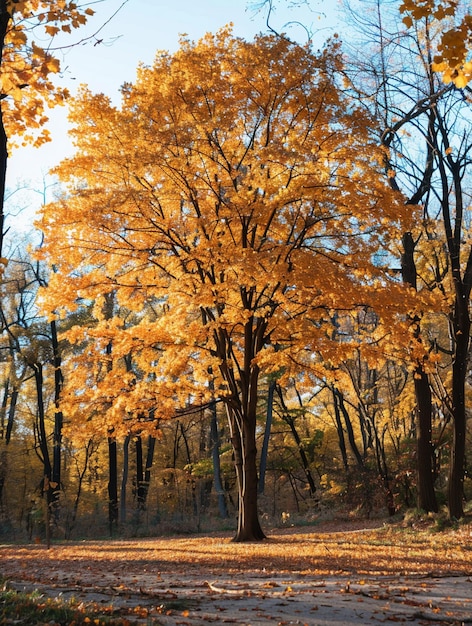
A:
333, 574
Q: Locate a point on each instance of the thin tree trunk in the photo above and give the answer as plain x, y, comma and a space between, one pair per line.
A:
382, 469
139, 473
3, 475
303, 457
265, 444
80, 481
215, 455
457, 461
340, 430
112, 484
187, 446
288, 419
350, 431
47, 487
176, 445
3, 453
58, 421
6, 434
424, 406
4, 21
3, 408
124, 479
151, 446
40, 421
11, 415
143, 472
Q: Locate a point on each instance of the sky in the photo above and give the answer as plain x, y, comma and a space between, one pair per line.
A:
107, 51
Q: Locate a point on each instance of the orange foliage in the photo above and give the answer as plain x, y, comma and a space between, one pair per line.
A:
229, 209
454, 48
27, 69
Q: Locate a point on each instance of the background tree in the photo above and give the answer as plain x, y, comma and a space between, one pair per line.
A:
426, 127
26, 70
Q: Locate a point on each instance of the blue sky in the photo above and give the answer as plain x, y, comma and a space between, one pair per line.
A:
133, 35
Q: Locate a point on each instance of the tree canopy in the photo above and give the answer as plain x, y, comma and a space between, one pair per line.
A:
233, 207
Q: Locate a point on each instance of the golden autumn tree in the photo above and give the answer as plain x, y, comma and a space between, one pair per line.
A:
27, 69
232, 203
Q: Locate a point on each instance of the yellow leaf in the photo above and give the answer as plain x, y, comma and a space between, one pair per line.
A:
53, 65
461, 80
51, 30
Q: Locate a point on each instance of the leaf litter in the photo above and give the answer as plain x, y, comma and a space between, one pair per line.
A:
332, 574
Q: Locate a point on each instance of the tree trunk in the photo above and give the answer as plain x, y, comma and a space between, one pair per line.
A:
245, 453
139, 474
58, 421
89, 448
11, 414
6, 434
241, 407
143, 473
424, 407
215, 455
265, 444
350, 430
40, 423
3, 475
112, 484
4, 21
151, 446
382, 468
46, 485
459, 373
3, 408
460, 324
340, 430
290, 420
124, 479
424, 449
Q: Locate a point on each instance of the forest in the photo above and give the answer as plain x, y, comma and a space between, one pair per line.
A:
248, 305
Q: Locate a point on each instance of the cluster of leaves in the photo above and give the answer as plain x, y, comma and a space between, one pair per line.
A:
452, 58
27, 87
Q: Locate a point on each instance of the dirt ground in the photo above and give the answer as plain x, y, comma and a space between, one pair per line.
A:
320, 577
